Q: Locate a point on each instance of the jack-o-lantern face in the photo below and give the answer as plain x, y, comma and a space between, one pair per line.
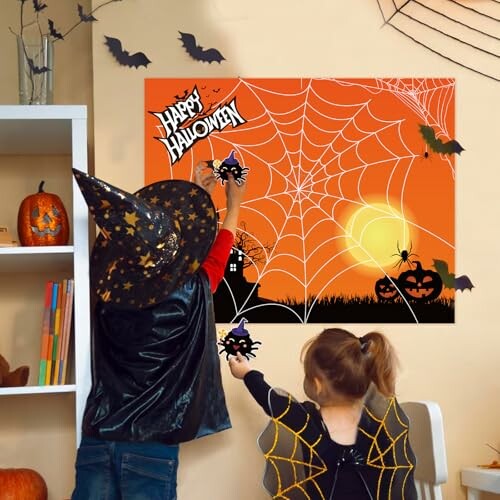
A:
46, 223
42, 220
420, 285
385, 289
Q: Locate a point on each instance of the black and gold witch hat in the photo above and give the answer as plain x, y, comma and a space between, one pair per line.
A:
150, 242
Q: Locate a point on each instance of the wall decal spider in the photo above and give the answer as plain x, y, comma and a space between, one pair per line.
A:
404, 256
238, 340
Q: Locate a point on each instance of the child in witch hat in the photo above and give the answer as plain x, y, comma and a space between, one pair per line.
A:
155, 374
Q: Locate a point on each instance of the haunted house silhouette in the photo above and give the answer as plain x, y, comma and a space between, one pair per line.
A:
235, 291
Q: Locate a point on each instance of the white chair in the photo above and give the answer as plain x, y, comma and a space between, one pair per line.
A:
427, 441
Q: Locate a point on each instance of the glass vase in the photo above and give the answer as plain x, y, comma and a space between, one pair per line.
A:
36, 69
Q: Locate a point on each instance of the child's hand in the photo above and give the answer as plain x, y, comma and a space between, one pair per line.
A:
205, 180
239, 365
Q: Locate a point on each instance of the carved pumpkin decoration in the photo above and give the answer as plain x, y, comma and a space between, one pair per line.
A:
42, 220
22, 484
385, 289
420, 285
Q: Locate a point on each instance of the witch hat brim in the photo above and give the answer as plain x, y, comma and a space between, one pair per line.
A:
151, 242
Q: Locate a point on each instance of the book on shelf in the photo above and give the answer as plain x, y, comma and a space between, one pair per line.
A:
45, 333
56, 348
56, 330
66, 337
52, 327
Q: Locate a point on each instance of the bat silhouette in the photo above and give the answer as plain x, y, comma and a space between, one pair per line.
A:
36, 70
124, 57
449, 280
180, 97
197, 52
53, 32
438, 145
85, 18
38, 6
216, 90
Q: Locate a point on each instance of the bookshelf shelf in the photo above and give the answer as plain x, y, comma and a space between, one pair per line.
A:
42, 143
37, 389
32, 259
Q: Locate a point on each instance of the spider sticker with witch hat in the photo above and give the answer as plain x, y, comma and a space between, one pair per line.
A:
230, 165
238, 340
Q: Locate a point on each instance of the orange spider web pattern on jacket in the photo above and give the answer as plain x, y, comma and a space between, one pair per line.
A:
293, 464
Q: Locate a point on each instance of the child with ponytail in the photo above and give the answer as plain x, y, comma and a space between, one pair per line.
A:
353, 435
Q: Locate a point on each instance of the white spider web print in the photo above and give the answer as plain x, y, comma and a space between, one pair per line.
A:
318, 151
462, 31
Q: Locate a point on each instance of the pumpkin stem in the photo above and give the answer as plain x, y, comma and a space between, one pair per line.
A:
419, 265
40, 187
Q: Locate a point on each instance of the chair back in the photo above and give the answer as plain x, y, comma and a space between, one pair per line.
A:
427, 441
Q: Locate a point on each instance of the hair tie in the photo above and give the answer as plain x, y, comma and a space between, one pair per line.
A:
363, 344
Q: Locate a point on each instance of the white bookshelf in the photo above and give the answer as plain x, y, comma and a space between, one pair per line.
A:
38, 142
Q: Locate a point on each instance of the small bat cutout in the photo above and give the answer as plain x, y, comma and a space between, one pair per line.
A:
53, 32
449, 280
36, 70
124, 57
39, 6
85, 18
438, 145
197, 52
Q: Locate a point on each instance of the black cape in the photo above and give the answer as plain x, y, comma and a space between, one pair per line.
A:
156, 371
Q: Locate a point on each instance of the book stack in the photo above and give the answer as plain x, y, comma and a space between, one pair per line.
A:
56, 332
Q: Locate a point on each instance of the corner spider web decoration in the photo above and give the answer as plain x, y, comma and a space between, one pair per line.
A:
464, 32
293, 445
343, 194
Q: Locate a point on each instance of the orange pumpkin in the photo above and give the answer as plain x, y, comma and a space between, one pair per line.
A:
22, 484
42, 220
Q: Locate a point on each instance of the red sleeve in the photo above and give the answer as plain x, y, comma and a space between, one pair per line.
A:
215, 263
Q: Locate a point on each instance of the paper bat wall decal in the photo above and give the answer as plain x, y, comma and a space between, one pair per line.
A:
197, 52
449, 280
85, 18
438, 145
53, 32
38, 6
124, 57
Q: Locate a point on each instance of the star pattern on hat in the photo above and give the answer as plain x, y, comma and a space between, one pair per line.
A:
131, 218
146, 261
150, 242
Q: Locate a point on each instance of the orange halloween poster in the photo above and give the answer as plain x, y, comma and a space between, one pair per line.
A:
349, 210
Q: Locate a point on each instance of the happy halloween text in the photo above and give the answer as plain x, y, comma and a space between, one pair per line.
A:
178, 140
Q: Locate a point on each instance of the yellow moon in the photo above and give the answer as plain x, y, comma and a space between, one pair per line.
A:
373, 234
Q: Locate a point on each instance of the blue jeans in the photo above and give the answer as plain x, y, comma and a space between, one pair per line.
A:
121, 470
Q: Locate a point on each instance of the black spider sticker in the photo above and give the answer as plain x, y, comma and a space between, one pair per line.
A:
238, 340
228, 166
